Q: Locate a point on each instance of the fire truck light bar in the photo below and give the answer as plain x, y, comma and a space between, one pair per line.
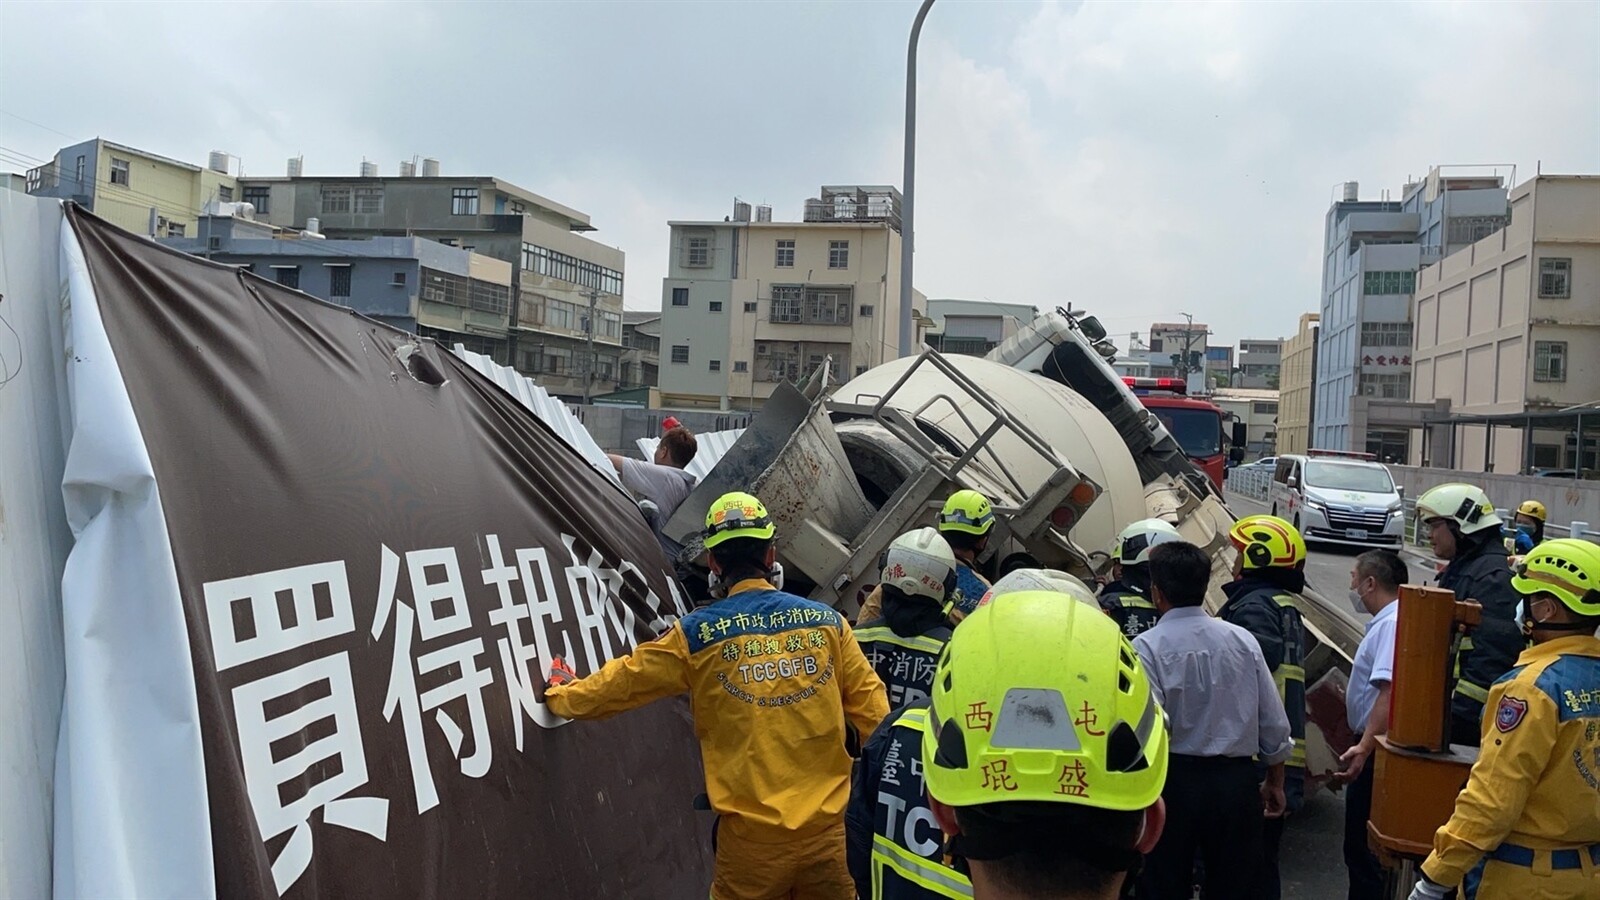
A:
1174, 385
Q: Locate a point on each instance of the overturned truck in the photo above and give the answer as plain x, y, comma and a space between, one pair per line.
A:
1043, 427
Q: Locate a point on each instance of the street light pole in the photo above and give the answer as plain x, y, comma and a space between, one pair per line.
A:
589, 367
908, 183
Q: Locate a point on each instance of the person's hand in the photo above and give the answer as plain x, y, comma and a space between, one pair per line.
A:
1273, 802
561, 672
1351, 762
1427, 890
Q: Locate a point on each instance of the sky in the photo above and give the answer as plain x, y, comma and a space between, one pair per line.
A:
1139, 160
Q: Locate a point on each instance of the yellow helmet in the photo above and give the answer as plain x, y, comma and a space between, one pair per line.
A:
1039, 697
1464, 504
966, 510
1041, 580
1267, 542
1567, 568
1533, 509
737, 515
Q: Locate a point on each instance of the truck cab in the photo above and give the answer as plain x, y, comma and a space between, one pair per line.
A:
1194, 424
1338, 497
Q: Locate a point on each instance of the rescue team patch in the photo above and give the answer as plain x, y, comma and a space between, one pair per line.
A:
1510, 713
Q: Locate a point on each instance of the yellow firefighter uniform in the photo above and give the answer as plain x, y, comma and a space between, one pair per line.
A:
1527, 825
772, 679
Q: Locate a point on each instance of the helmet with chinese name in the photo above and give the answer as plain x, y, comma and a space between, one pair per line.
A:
1040, 698
968, 511
1567, 568
1464, 504
1533, 509
737, 515
1267, 542
1134, 544
920, 564
1041, 580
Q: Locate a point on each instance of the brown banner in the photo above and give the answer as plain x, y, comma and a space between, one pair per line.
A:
378, 551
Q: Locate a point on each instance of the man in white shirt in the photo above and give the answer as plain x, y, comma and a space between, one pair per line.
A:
663, 482
1374, 588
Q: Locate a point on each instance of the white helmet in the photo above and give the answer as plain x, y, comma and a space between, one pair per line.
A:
1464, 504
1052, 580
920, 564
1134, 543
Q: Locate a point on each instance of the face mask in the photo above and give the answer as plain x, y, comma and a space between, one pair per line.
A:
1356, 602
719, 588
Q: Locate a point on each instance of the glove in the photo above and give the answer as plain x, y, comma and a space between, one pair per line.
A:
560, 673
1427, 890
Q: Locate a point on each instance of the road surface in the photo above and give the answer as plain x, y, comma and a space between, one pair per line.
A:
1312, 854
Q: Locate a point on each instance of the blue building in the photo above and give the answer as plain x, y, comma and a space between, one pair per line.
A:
415, 284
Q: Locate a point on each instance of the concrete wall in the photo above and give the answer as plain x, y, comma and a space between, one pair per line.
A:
1567, 500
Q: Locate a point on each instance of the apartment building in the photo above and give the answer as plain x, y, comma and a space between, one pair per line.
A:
1219, 367
641, 355
1510, 324
1258, 409
1260, 363
1296, 387
563, 280
749, 303
1372, 251
414, 284
136, 190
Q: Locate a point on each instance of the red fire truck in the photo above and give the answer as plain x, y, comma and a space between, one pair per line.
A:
1195, 424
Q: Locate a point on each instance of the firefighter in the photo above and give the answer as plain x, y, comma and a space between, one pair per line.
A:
1127, 598
772, 680
1269, 575
1046, 768
965, 521
895, 848
919, 578
1464, 530
1527, 825
1527, 528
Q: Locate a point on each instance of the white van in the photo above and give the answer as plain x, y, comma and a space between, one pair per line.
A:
1338, 497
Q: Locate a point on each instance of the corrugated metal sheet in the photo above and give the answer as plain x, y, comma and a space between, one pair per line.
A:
548, 409
710, 447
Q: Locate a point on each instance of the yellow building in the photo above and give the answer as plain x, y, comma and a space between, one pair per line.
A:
142, 192
1296, 377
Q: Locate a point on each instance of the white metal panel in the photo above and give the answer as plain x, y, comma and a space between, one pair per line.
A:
710, 447
558, 415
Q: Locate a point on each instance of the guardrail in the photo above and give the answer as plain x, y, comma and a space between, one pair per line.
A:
1256, 484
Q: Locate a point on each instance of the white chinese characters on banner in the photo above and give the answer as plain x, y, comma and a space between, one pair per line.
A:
438, 663
248, 623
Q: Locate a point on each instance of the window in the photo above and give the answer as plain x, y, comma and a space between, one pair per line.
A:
680, 353
1391, 387
448, 242
866, 311
680, 296
783, 258
716, 306
486, 296
741, 365
335, 199
828, 307
716, 365
750, 306
119, 171
1155, 345
1471, 229
1264, 408
697, 252
368, 200
81, 161
399, 279
549, 263
838, 254
339, 281
1549, 360
464, 201
861, 370
1386, 334
1388, 282
786, 302
224, 194
257, 196
169, 228
214, 242
1555, 279
517, 208
288, 276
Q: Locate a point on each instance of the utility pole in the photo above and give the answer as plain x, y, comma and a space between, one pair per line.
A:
908, 186
589, 363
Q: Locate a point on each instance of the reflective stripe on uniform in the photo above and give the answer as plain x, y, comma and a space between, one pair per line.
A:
884, 635
915, 719
928, 875
1134, 601
1472, 691
1281, 676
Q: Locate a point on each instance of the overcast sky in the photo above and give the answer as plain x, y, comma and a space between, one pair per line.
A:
1138, 160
